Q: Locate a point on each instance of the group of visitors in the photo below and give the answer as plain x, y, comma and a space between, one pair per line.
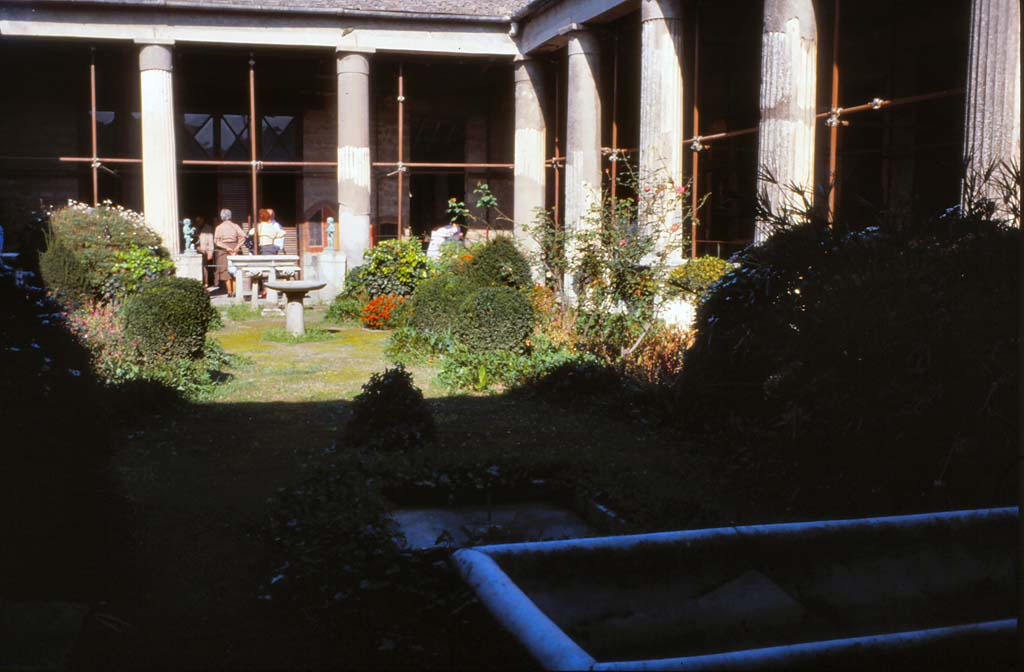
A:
228, 238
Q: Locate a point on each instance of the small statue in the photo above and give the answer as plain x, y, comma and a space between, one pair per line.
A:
330, 233
189, 233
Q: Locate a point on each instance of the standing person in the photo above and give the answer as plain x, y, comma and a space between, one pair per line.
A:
228, 239
206, 249
270, 233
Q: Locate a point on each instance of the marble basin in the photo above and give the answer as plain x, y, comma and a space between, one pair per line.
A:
295, 291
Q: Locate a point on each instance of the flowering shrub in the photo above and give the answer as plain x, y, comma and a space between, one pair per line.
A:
378, 313
115, 357
390, 267
94, 253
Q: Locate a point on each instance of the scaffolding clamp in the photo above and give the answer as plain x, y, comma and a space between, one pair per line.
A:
833, 118
698, 144
256, 165
876, 103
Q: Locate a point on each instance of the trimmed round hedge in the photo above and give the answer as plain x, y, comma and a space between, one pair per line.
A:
168, 318
499, 263
494, 318
436, 303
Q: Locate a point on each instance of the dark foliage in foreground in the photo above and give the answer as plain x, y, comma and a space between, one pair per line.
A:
877, 364
390, 413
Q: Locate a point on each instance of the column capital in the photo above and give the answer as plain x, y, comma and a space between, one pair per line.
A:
655, 10
156, 57
582, 40
353, 63
778, 13
526, 70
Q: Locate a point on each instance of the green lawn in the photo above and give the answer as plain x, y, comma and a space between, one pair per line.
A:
198, 478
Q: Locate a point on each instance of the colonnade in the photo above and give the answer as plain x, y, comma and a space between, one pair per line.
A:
786, 129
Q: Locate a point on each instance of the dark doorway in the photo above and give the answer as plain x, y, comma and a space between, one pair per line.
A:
429, 202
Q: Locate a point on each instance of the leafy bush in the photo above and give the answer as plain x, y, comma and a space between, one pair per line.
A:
345, 308
693, 278
436, 303
659, 358
876, 361
494, 318
334, 536
480, 370
499, 263
168, 319
379, 312
100, 253
390, 267
409, 345
390, 413
132, 268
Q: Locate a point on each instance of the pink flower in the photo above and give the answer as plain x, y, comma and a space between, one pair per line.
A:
622, 243
647, 188
680, 190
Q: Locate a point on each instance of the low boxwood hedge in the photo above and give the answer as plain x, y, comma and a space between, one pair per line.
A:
168, 319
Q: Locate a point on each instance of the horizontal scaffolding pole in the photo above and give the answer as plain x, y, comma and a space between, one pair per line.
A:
394, 164
86, 159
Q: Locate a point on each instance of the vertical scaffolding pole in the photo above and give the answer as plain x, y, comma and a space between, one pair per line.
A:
252, 151
92, 122
615, 114
401, 154
695, 169
833, 134
558, 152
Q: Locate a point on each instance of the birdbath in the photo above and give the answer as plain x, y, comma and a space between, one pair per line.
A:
295, 291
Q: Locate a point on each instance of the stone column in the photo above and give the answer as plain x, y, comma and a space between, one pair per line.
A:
353, 155
992, 120
159, 164
661, 108
785, 148
531, 137
583, 139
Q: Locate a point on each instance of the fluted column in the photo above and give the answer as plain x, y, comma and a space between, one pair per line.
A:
583, 139
159, 163
531, 136
353, 156
992, 133
661, 104
785, 148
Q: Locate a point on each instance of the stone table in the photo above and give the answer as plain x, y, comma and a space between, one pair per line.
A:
295, 291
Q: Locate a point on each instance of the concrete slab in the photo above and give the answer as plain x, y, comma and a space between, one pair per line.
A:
537, 521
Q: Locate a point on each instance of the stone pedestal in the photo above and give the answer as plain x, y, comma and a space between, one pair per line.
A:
189, 265
353, 156
992, 119
583, 140
531, 136
159, 164
330, 267
295, 291
785, 148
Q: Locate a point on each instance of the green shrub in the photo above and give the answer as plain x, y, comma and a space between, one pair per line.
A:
345, 308
876, 363
409, 345
694, 277
390, 267
499, 263
100, 253
390, 413
480, 370
168, 319
494, 318
435, 305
